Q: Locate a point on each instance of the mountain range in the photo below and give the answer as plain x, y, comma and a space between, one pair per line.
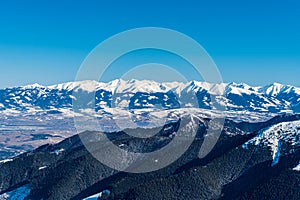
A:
135, 94
42, 155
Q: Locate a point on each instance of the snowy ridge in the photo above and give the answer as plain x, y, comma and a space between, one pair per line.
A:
281, 139
136, 94
6, 160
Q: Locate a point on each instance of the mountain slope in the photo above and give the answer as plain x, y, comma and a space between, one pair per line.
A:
237, 165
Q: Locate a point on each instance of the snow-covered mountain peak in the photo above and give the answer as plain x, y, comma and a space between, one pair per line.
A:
239, 89
33, 86
87, 85
212, 88
274, 89
136, 94
134, 86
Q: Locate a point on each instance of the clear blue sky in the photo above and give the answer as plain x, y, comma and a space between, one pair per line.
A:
257, 41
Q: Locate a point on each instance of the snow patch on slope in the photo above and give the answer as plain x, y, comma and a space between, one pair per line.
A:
285, 134
297, 168
102, 195
6, 160
18, 194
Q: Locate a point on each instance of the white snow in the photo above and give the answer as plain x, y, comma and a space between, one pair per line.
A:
266, 95
214, 89
27, 98
6, 160
274, 89
18, 194
33, 86
88, 86
238, 91
297, 168
43, 167
58, 151
95, 196
276, 148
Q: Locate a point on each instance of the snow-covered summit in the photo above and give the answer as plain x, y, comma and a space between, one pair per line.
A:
273, 98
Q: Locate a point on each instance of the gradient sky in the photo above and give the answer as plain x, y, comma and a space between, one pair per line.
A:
256, 42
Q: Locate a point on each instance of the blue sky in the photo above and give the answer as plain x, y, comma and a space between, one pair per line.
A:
45, 42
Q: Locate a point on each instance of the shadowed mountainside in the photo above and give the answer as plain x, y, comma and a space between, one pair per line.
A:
236, 168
